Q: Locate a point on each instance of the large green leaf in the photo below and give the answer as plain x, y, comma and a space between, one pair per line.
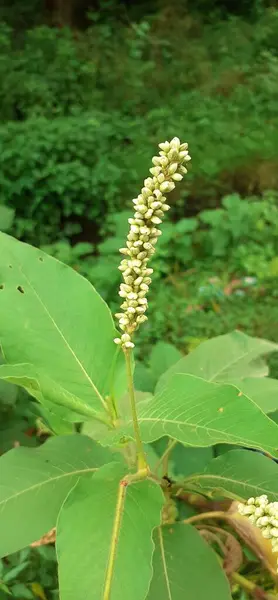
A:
84, 536
55, 398
163, 356
199, 413
54, 320
239, 474
185, 567
35, 482
224, 358
263, 391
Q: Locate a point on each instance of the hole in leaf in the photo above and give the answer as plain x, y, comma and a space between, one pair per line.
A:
1, 286
41, 258
10, 266
20, 289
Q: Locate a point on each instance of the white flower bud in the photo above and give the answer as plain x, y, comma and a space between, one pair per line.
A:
148, 183
117, 341
142, 208
182, 170
145, 230
164, 161
126, 337
157, 193
173, 154
127, 272
142, 255
161, 178
140, 309
177, 177
156, 220
173, 167
146, 192
155, 171
167, 186
129, 345
274, 532
164, 146
175, 142
266, 533
141, 318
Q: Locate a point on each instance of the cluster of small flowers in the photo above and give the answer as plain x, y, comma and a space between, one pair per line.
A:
263, 514
150, 207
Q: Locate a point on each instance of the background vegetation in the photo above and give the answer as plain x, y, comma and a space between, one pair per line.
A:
88, 89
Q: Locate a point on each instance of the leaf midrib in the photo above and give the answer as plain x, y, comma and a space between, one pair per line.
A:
164, 563
207, 429
63, 337
47, 481
226, 479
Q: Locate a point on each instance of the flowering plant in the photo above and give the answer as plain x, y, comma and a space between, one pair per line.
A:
138, 492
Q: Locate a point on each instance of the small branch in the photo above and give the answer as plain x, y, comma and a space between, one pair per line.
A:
141, 459
214, 514
164, 459
251, 587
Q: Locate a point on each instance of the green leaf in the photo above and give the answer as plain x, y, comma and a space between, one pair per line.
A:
163, 356
224, 358
263, 391
144, 380
55, 398
54, 320
185, 567
35, 482
199, 413
15, 571
239, 474
85, 528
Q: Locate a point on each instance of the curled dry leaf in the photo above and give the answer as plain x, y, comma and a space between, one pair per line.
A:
48, 538
233, 554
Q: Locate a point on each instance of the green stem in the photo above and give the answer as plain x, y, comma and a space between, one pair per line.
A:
214, 514
164, 459
141, 459
251, 587
115, 538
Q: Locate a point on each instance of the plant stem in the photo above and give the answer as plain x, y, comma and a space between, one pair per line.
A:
115, 538
214, 514
163, 460
251, 587
141, 459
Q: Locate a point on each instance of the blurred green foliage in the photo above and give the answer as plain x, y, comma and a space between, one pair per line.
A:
82, 112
